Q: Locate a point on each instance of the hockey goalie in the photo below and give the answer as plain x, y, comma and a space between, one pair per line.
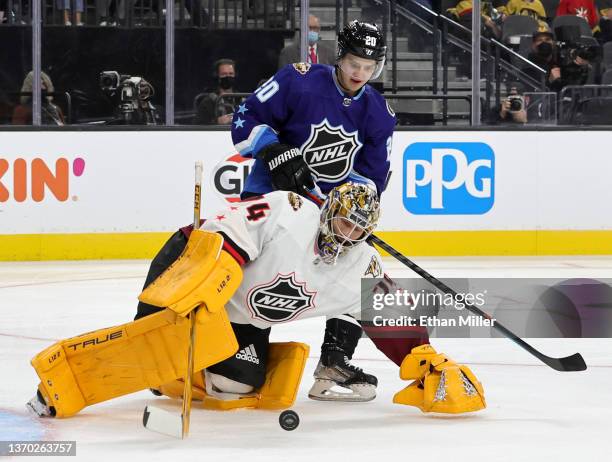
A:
271, 259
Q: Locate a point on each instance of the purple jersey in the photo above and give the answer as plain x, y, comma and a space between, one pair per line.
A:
303, 106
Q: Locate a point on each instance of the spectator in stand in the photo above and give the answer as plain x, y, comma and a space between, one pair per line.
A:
532, 8
107, 10
605, 23
318, 53
582, 8
51, 114
65, 5
210, 109
463, 14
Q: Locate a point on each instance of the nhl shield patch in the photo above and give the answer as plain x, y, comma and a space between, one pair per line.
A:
330, 151
281, 300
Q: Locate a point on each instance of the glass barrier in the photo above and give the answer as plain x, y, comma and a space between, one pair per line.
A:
219, 64
15, 63
104, 61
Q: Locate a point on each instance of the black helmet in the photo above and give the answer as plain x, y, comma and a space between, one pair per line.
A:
364, 40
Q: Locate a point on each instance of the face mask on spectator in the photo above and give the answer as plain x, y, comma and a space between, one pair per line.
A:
544, 49
313, 37
226, 82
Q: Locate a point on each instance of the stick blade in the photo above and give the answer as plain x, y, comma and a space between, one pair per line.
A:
164, 422
571, 363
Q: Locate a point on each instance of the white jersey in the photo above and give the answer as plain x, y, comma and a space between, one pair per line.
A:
284, 280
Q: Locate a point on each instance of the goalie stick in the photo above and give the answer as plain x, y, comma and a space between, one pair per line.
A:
571, 363
157, 419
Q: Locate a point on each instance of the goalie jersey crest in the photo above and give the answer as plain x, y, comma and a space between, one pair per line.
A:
304, 106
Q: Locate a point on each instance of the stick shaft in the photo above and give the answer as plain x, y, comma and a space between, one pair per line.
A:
187, 390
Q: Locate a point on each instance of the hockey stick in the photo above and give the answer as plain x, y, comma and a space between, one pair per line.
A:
571, 363
157, 419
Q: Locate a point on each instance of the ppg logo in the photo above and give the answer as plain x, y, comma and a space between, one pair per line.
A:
448, 178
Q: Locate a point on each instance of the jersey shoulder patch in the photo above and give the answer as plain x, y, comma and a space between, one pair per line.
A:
374, 268
295, 200
302, 68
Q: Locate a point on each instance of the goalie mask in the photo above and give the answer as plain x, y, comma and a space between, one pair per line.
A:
363, 40
348, 216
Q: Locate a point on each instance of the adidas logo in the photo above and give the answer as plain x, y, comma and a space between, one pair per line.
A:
248, 354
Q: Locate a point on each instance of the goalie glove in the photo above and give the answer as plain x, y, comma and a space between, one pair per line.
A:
288, 171
440, 384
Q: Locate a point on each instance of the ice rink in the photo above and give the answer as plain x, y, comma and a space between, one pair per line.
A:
534, 413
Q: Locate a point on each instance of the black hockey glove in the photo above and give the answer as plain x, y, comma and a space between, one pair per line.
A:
288, 170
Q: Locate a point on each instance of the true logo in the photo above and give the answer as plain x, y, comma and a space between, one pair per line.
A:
330, 151
280, 300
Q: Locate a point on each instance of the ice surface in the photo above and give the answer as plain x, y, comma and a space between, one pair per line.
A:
533, 414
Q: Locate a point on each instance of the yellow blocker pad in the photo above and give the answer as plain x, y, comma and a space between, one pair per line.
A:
440, 384
202, 274
286, 362
146, 353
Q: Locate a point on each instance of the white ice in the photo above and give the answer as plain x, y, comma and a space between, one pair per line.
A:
533, 413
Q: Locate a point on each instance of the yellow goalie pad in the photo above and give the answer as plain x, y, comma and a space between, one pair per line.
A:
203, 273
440, 384
101, 365
286, 362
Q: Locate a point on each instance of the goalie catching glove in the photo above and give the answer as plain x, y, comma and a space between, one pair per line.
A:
440, 384
288, 170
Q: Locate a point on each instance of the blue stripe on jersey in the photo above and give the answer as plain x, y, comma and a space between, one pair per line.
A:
260, 136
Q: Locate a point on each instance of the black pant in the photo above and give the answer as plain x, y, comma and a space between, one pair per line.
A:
248, 365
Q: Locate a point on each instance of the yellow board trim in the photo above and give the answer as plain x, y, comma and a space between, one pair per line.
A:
102, 246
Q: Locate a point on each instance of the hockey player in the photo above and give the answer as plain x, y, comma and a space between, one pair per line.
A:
235, 270
319, 124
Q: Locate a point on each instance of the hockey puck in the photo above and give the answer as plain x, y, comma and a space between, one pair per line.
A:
288, 420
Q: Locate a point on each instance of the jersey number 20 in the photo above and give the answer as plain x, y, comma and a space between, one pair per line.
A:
267, 90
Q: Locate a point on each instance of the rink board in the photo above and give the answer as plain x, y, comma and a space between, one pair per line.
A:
82, 195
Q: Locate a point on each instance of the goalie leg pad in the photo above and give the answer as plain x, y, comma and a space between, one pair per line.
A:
441, 384
115, 361
286, 362
202, 274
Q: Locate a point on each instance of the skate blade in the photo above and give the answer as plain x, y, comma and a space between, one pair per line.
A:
328, 390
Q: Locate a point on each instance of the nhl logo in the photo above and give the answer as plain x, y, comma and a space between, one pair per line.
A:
330, 151
280, 300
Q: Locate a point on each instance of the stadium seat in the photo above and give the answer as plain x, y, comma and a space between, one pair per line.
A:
606, 78
517, 26
585, 30
550, 6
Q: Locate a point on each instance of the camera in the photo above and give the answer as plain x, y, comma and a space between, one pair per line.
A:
131, 95
517, 103
570, 47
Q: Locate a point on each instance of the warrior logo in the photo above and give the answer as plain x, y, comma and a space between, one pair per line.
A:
330, 151
281, 300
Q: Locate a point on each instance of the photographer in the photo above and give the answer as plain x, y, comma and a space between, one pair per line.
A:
512, 110
566, 61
